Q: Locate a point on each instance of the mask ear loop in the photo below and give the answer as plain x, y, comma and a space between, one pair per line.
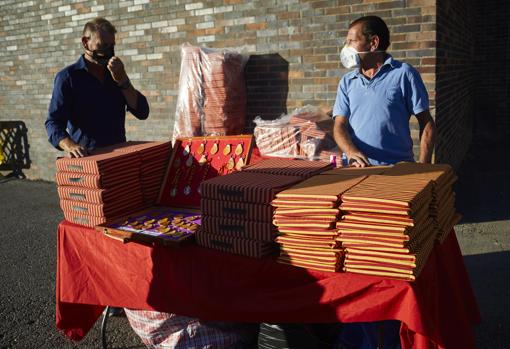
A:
346, 45
87, 51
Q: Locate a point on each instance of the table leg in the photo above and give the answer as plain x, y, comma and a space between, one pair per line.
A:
106, 314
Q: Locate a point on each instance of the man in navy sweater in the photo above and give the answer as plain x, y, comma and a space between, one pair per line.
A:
90, 97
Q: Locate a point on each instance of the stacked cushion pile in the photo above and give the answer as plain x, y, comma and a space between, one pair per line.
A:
305, 216
154, 158
386, 228
230, 212
224, 92
358, 171
212, 93
442, 207
110, 183
289, 167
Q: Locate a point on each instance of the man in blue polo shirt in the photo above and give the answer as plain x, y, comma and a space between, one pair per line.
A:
376, 100
90, 97
373, 106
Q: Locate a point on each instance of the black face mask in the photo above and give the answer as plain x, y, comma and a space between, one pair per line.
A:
102, 56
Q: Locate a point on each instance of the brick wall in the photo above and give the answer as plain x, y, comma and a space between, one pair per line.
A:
455, 80
294, 45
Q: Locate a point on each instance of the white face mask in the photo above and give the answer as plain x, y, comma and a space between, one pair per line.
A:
350, 57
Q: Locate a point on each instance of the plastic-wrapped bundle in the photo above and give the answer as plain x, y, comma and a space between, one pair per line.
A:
276, 138
307, 132
224, 92
212, 93
189, 112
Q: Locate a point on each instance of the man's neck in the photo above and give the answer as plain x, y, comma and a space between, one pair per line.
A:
95, 69
372, 65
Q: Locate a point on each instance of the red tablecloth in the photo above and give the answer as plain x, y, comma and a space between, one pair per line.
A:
437, 311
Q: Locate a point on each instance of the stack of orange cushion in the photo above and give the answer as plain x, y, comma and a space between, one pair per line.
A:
357, 171
442, 207
386, 228
305, 216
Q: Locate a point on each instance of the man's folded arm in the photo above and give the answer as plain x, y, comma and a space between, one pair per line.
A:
141, 111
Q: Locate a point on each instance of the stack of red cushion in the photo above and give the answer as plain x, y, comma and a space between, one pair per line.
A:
212, 93
236, 214
224, 90
154, 158
110, 183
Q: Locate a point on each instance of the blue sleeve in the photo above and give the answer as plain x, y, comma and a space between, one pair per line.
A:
59, 110
416, 96
142, 107
341, 107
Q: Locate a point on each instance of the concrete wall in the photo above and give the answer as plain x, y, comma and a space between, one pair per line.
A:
294, 45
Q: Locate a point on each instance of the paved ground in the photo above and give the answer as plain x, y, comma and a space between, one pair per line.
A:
29, 214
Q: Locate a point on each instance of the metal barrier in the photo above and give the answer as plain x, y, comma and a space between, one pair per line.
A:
14, 148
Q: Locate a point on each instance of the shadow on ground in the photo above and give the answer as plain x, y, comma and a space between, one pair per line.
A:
489, 273
29, 215
483, 189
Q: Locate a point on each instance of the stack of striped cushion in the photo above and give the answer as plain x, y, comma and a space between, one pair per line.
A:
154, 158
442, 207
236, 212
212, 93
224, 92
108, 184
357, 171
305, 216
386, 228
289, 167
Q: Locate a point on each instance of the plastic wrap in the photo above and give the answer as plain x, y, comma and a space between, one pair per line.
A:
305, 133
212, 93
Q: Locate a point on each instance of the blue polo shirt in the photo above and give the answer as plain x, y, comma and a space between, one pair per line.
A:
378, 110
90, 112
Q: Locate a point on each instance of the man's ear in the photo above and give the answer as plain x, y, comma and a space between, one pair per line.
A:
84, 42
374, 43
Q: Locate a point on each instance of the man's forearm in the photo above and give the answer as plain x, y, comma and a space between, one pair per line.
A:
131, 96
344, 142
343, 139
427, 141
136, 102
